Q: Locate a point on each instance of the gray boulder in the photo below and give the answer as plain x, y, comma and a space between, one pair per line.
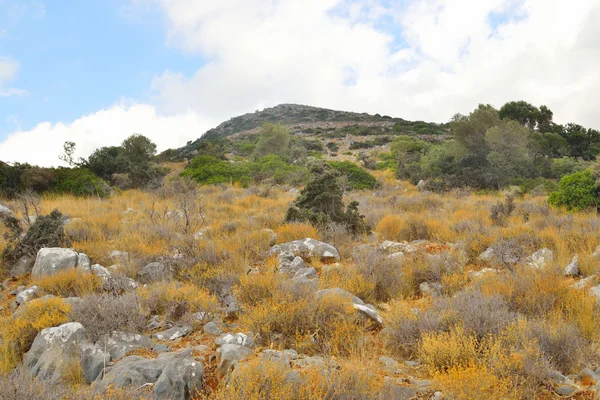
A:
482, 272
433, 289
366, 309
54, 349
540, 259
175, 376
289, 264
28, 294
212, 328
154, 272
23, 266
233, 349
397, 247
421, 186
112, 282
51, 260
174, 333
572, 269
308, 248
118, 344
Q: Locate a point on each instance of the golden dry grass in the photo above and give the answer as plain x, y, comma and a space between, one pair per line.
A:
235, 238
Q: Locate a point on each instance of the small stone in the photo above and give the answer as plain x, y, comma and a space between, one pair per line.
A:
211, 328
390, 365
565, 390
173, 333
572, 269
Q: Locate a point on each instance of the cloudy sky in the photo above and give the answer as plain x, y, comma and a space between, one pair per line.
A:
96, 71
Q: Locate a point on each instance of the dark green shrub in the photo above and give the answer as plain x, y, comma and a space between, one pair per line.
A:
357, 177
576, 192
320, 202
78, 181
46, 231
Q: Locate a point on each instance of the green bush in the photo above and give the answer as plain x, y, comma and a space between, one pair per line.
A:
78, 181
357, 177
320, 202
209, 170
576, 192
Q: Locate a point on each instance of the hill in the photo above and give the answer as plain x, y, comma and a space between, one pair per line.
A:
314, 121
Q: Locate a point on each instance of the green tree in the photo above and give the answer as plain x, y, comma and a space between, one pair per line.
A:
408, 151
107, 161
576, 192
137, 154
357, 177
274, 139
584, 143
524, 113
320, 202
509, 156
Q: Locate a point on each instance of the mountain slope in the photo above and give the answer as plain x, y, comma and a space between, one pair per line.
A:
315, 121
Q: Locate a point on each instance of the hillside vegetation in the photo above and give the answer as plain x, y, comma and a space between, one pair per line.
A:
272, 266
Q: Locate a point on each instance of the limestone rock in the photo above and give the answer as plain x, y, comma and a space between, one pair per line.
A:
572, 269
154, 272
540, 259
173, 333
308, 248
51, 260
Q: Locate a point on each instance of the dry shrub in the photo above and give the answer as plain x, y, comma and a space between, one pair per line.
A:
257, 288
475, 315
69, 283
453, 283
442, 351
390, 227
475, 382
383, 273
102, 314
539, 293
258, 380
409, 228
351, 280
293, 318
478, 315
20, 385
18, 332
296, 231
162, 297
562, 344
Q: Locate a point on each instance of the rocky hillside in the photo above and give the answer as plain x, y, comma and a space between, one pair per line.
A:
315, 121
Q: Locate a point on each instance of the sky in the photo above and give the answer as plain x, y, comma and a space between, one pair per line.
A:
96, 71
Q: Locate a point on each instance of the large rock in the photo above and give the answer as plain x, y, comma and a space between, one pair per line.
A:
55, 349
366, 309
540, 259
572, 269
23, 266
51, 260
174, 333
113, 283
289, 264
175, 376
154, 272
397, 247
118, 344
308, 248
233, 349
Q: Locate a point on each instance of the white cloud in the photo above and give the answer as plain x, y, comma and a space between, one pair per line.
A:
8, 71
416, 59
438, 58
42, 144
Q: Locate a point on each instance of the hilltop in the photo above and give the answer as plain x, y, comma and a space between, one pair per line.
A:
316, 122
